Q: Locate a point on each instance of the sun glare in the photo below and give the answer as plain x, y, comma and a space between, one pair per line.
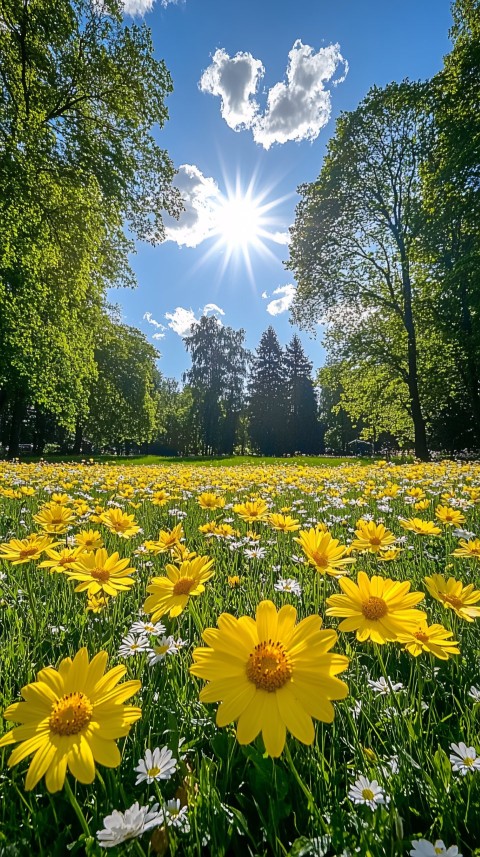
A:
239, 221
243, 222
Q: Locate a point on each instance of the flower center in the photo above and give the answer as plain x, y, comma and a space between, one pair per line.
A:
70, 714
320, 559
453, 600
183, 586
100, 574
27, 552
374, 608
374, 540
268, 666
367, 794
468, 761
153, 772
423, 638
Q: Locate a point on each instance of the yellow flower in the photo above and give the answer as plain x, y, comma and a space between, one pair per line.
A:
71, 717
54, 518
449, 516
469, 549
60, 560
170, 594
388, 555
99, 572
453, 594
233, 580
270, 675
377, 609
283, 523
422, 505
18, 551
210, 501
167, 540
96, 603
120, 523
372, 537
429, 638
325, 554
252, 510
422, 528
159, 498
89, 540
180, 552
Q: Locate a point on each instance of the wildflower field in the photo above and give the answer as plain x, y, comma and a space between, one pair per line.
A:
252, 660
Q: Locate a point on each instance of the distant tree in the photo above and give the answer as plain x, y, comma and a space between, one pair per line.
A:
123, 403
267, 396
217, 379
302, 429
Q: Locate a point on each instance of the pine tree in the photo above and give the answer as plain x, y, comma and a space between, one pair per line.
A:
267, 396
217, 378
302, 429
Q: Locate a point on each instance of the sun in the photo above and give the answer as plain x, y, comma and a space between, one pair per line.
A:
243, 223
239, 221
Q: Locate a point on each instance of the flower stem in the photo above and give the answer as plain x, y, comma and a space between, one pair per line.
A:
76, 808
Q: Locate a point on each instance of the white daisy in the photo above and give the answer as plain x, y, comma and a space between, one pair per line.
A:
464, 759
288, 585
121, 826
157, 764
382, 687
132, 645
164, 646
176, 816
369, 793
474, 693
146, 627
423, 848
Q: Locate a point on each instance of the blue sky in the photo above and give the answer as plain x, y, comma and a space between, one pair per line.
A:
257, 88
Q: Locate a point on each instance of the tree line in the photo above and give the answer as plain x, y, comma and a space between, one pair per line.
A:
385, 250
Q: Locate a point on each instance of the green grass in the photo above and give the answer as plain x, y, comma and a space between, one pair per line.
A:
241, 802
214, 461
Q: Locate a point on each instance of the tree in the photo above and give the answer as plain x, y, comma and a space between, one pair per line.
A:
217, 378
302, 433
80, 94
451, 181
267, 403
357, 227
123, 404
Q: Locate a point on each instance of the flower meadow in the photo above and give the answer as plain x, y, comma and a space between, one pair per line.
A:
248, 660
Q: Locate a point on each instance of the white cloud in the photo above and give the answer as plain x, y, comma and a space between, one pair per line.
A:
283, 303
141, 7
149, 317
212, 308
158, 336
235, 81
264, 296
296, 109
182, 319
200, 195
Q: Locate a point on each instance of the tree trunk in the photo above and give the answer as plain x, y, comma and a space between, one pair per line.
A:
419, 428
16, 420
77, 443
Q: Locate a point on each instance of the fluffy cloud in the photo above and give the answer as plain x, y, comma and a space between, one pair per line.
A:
235, 81
283, 303
140, 7
297, 109
181, 320
200, 195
